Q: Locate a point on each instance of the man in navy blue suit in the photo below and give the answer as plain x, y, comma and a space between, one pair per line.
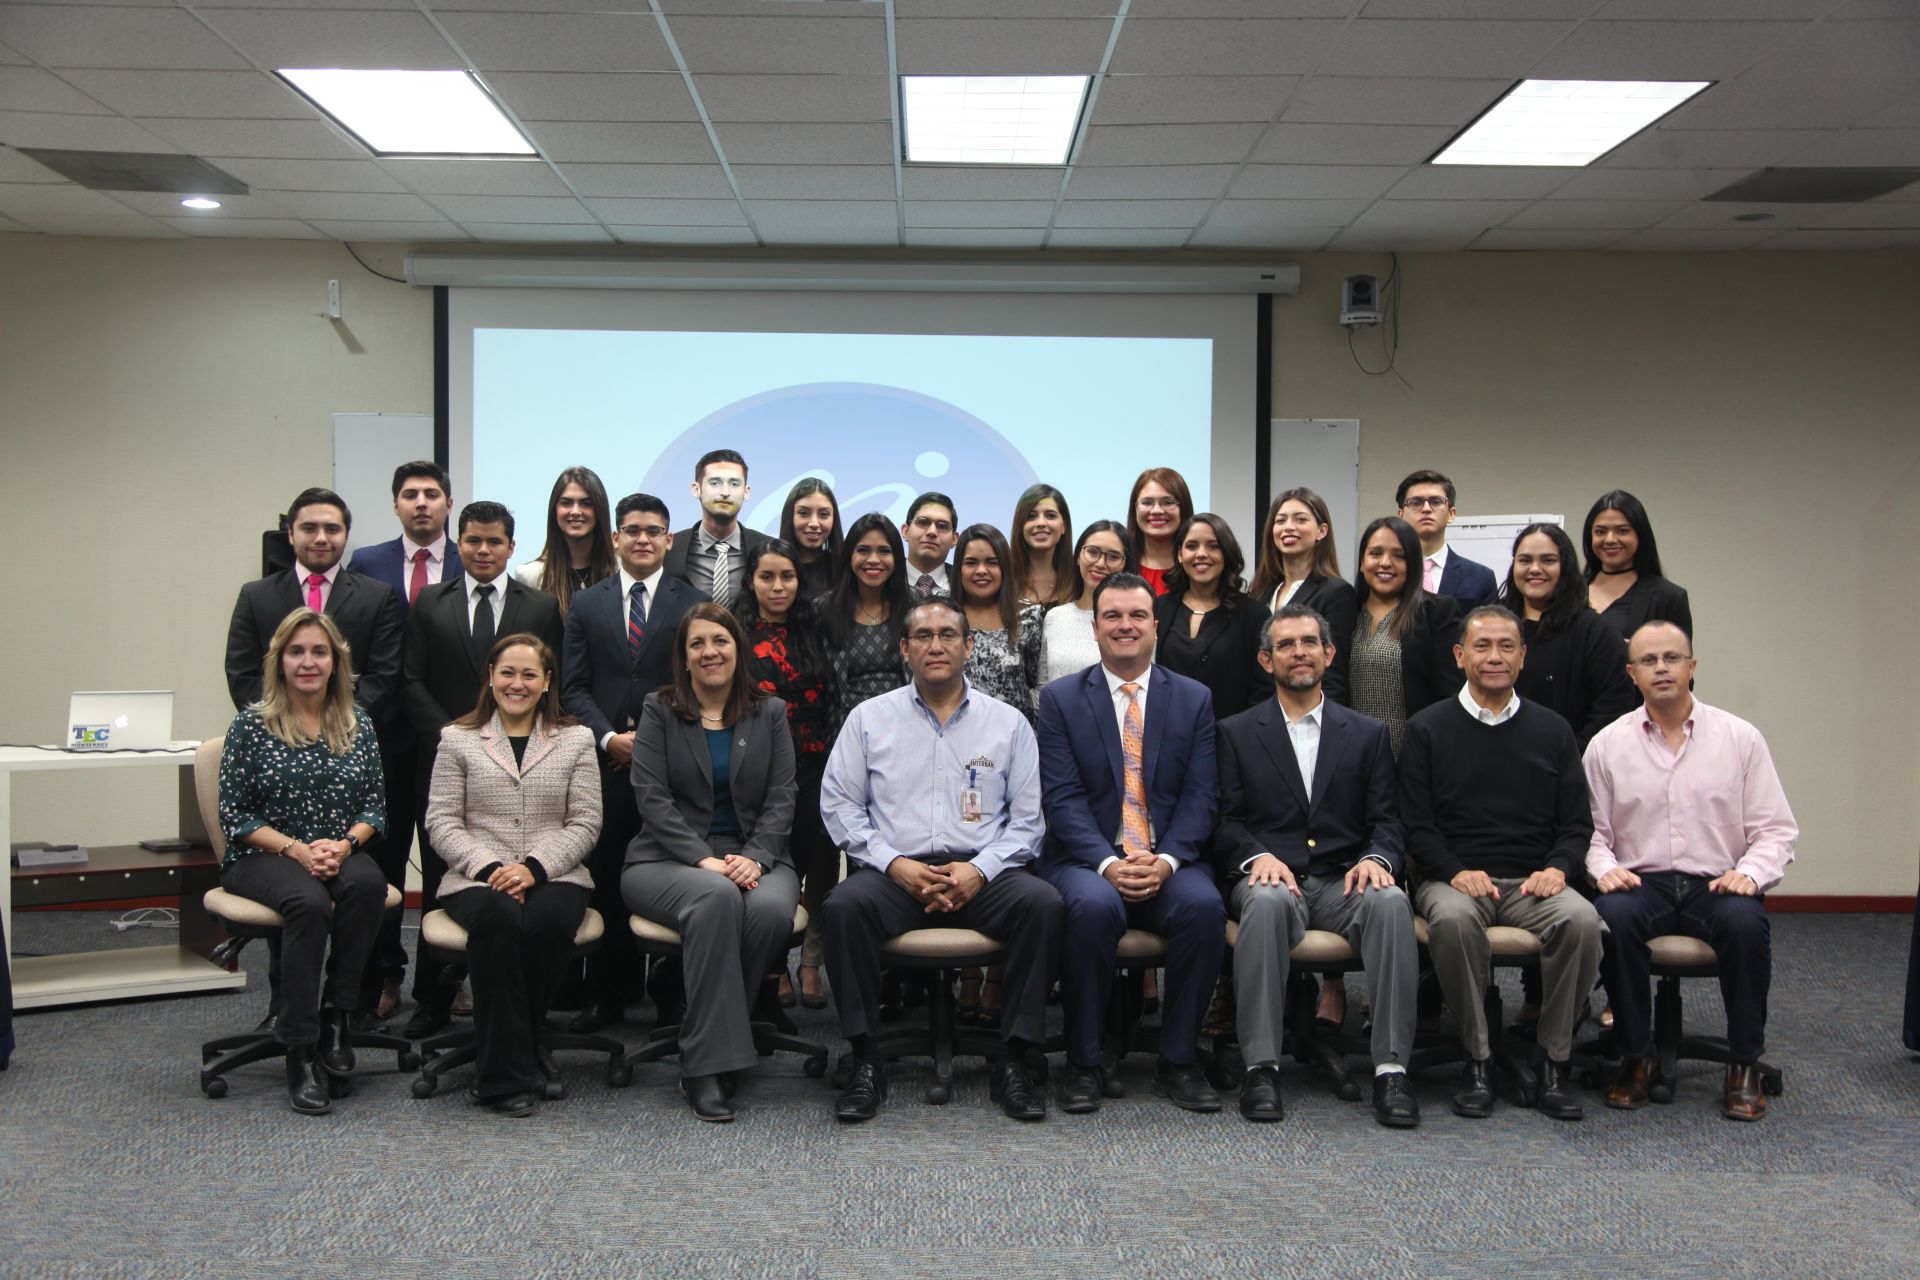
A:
1128, 788
1425, 499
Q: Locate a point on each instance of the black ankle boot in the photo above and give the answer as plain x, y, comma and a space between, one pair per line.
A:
306, 1081
336, 1040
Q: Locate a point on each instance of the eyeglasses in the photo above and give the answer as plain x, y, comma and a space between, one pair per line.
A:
643, 530
948, 636
1424, 504
1654, 661
928, 522
1094, 555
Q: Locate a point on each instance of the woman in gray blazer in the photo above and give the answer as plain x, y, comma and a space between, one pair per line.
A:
713, 778
514, 810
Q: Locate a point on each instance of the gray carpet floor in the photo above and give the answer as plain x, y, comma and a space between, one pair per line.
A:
113, 1164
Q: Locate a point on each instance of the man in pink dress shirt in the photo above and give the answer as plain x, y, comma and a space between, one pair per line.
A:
1690, 830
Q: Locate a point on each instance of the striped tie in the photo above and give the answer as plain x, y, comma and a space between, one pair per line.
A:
636, 621
1136, 825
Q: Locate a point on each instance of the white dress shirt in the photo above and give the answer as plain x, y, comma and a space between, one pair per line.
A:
1120, 722
436, 558
652, 582
1485, 716
473, 599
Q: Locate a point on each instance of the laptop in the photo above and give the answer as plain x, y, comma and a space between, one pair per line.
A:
140, 720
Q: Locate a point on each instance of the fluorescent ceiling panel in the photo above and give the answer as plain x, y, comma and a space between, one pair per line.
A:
1565, 122
412, 113
991, 119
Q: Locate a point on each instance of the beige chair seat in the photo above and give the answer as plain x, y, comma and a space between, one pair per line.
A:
647, 931
235, 909
1508, 941
1138, 945
1674, 950
958, 945
1318, 946
441, 930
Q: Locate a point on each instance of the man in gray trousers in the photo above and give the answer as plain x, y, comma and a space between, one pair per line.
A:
1309, 837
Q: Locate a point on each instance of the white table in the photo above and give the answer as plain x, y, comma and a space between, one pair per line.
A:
122, 973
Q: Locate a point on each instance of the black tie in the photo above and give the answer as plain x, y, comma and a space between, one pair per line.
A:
482, 621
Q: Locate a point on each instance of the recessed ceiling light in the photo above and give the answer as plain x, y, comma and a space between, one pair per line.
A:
1565, 122
200, 202
991, 119
412, 113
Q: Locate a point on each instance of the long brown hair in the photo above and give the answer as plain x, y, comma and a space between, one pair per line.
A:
679, 697
556, 560
1272, 570
548, 713
1008, 603
1232, 589
338, 726
1170, 480
1022, 569
1413, 595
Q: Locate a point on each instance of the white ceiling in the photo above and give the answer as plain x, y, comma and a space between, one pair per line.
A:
1218, 124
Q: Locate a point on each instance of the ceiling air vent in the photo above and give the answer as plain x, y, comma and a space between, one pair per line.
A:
1815, 186
138, 171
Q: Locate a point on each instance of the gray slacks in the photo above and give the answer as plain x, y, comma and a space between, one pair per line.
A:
1569, 933
730, 939
1378, 924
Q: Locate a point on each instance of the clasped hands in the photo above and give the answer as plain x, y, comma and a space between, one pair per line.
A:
512, 879
1138, 876
942, 886
739, 868
321, 858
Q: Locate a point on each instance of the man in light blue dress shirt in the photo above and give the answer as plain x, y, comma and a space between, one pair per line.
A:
933, 791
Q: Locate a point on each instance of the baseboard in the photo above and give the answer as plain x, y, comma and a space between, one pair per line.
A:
1851, 902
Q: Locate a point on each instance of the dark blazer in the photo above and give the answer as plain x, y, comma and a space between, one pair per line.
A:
366, 612
1580, 673
1082, 768
1648, 600
1228, 662
1349, 811
391, 564
1469, 582
1428, 673
440, 673
1334, 600
676, 562
673, 785
599, 685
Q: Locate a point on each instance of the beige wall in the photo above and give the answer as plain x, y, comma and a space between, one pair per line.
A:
159, 401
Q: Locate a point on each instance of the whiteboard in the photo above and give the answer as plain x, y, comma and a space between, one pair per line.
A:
366, 449
1321, 454
1488, 540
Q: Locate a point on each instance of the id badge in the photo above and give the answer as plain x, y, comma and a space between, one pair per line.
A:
970, 804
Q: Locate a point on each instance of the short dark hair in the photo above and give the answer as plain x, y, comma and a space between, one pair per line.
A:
1423, 477
486, 513
420, 467
1120, 582
318, 497
643, 502
935, 498
1499, 613
712, 456
938, 601
1287, 612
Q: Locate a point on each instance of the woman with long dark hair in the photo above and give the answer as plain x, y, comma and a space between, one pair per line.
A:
579, 548
810, 521
1067, 643
1006, 633
865, 613
1299, 565
1042, 563
1624, 583
1210, 629
1159, 504
1575, 664
1401, 649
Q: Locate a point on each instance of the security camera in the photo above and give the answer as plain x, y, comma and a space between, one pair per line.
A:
1360, 301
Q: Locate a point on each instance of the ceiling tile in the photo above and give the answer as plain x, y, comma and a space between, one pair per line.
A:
1427, 223
1904, 114
1349, 144
1412, 47
772, 143
1645, 184
1896, 147
539, 233
1249, 8
821, 10
814, 181
1843, 240
826, 221
266, 139
166, 204
1351, 240
1131, 213
84, 36
202, 95
806, 98
978, 213
1828, 77
1478, 182
667, 213
1560, 239
776, 44
966, 182
1877, 215
15, 167
78, 133
628, 143
31, 89
685, 235
390, 232
477, 177
1118, 237
1174, 99
354, 205
672, 181
976, 237
1223, 47
1479, 8
470, 209
1722, 214
1000, 46
11, 58
1662, 50
323, 38
40, 204
1155, 144
1257, 217
244, 228
577, 42
1717, 10
308, 175
1710, 148
1383, 100
1282, 239
1689, 240
1151, 182
606, 95
1568, 215
1005, 8
1314, 181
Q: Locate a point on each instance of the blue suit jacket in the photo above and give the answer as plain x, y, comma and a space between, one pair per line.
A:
1081, 778
1467, 581
388, 562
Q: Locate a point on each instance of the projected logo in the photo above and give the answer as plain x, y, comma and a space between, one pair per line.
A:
877, 446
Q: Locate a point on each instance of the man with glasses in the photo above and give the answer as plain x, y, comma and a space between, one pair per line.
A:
710, 555
933, 791
619, 649
1425, 499
1690, 830
932, 525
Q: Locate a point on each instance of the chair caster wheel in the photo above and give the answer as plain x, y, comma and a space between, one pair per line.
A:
409, 1062
939, 1094
1348, 1090
619, 1076
424, 1087
213, 1087
553, 1090
1773, 1086
339, 1086
816, 1067
1660, 1092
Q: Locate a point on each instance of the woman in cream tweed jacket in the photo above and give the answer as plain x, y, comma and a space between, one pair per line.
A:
514, 810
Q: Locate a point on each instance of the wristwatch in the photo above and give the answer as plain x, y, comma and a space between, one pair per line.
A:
353, 842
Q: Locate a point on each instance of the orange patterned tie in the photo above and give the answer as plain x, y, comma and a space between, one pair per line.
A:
1136, 830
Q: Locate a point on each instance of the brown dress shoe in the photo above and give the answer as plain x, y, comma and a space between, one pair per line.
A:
389, 1003
1628, 1092
1745, 1099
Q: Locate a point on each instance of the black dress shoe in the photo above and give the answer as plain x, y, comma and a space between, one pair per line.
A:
729, 1084
594, 1015
1081, 1091
307, 1081
708, 1098
336, 1041
427, 1020
1475, 1099
1393, 1102
864, 1093
268, 1023
515, 1106
1185, 1085
1016, 1092
1556, 1093
1260, 1096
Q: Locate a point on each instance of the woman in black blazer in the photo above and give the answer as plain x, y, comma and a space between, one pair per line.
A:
1624, 585
1575, 664
713, 778
1210, 629
1298, 565
1400, 655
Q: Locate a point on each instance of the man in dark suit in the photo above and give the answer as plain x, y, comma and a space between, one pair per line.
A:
1425, 499
711, 556
419, 558
619, 648
1128, 789
449, 633
930, 531
1310, 837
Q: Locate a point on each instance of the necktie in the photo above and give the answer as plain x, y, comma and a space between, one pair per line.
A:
418, 581
720, 593
925, 585
1432, 575
482, 620
1136, 824
314, 582
636, 620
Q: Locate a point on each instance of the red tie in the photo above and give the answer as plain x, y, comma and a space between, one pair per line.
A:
419, 579
314, 581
